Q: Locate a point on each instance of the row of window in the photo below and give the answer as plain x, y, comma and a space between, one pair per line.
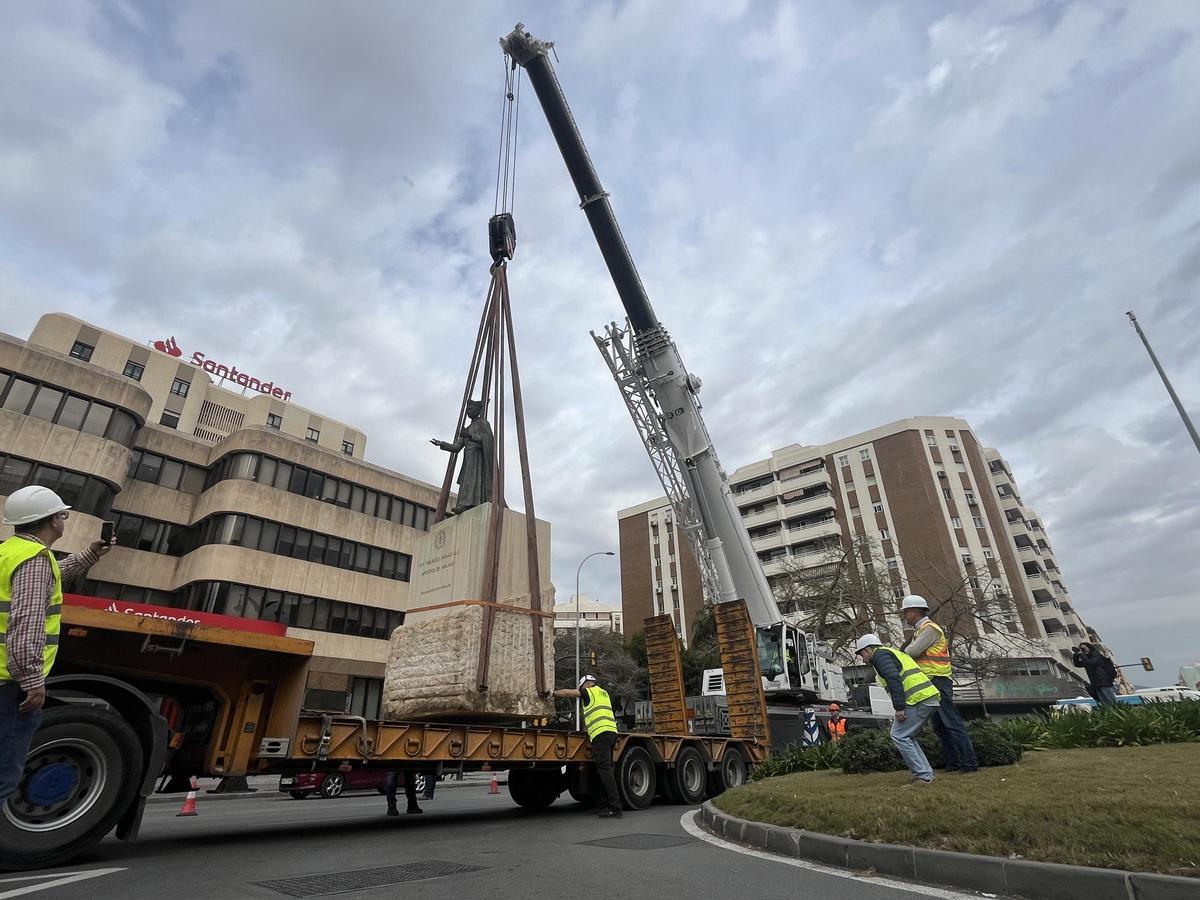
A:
151, 535
863, 454
295, 610
238, 530
309, 483
85, 493
175, 474
53, 404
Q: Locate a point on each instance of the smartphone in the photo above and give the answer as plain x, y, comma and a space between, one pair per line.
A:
106, 532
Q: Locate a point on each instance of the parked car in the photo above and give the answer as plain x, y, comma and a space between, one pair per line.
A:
334, 784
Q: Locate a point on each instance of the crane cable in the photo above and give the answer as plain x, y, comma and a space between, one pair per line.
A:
506, 162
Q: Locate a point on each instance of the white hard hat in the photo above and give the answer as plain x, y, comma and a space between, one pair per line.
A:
867, 640
585, 679
31, 504
914, 601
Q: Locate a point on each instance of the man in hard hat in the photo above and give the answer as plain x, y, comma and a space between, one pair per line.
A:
31, 599
914, 698
931, 651
836, 726
601, 725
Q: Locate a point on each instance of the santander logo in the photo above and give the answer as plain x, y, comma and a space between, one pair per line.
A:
168, 347
222, 371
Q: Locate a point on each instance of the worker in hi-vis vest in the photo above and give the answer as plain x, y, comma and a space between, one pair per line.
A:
914, 698
931, 651
31, 599
836, 726
601, 725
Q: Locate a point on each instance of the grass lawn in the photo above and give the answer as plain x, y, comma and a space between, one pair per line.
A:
1132, 808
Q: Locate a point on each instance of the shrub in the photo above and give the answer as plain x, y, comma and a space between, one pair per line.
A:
1122, 725
797, 758
1027, 732
993, 745
873, 751
869, 750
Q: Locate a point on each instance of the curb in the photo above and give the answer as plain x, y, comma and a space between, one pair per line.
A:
989, 874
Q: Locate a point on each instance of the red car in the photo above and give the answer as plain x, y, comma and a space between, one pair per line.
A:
335, 784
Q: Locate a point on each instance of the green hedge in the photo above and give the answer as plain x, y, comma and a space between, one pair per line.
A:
873, 751
1167, 722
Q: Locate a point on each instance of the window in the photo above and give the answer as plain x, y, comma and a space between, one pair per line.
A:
45, 403
83, 351
898, 592
168, 418
180, 388
94, 495
73, 412
884, 534
98, 418
974, 582
946, 493
864, 454
971, 498
843, 461
878, 507
987, 554
274, 421
956, 521
347, 448
978, 520
20, 392
893, 564
930, 439
134, 370
313, 435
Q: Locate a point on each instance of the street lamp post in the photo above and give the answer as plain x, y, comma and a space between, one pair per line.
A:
1187, 421
577, 572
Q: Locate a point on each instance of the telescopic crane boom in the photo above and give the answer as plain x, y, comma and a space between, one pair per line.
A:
662, 395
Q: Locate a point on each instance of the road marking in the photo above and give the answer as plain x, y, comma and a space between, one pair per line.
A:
687, 821
58, 879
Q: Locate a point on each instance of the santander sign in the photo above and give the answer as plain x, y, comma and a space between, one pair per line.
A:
220, 370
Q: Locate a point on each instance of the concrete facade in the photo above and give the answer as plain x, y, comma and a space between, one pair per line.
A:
596, 614
243, 516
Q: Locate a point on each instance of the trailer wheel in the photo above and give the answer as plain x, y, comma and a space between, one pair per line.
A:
534, 788
81, 773
578, 781
636, 777
687, 780
732, 771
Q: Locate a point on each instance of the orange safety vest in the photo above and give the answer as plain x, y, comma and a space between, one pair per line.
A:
935, 660
837, 729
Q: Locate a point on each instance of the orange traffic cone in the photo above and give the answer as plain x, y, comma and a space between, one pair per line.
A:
189, 804
494, 789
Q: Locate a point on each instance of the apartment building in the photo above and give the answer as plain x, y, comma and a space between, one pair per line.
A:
657, 578
230, 501
922, 492
600, 615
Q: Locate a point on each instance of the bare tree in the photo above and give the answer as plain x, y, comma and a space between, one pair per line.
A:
614, 667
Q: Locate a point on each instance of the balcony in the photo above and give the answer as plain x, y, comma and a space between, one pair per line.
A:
771, 541
811, 478
1053, 626
762, 518
755, 495
821, 501
1028, 551
826, 528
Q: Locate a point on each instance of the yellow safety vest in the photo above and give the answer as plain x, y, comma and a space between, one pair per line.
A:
935, 660
13, 552
598, 715
917, 686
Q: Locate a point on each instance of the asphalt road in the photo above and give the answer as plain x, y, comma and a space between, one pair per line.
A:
468, 843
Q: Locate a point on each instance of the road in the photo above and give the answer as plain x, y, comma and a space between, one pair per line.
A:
471, 843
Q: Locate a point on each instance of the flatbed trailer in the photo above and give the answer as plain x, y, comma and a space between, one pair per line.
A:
139, 698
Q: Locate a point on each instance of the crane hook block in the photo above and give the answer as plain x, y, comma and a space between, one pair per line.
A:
502, 236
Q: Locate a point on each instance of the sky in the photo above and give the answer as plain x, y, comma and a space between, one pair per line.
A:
845, 214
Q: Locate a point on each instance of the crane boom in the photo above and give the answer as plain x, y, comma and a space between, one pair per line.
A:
670, 422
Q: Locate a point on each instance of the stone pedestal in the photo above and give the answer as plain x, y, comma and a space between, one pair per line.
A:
433, 662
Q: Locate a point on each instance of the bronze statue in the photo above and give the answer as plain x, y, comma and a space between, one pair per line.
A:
477, 445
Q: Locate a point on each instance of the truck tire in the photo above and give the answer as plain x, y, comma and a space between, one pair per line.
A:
82, 771
579, 781
732, 771
534, 788
636, 777
686, 781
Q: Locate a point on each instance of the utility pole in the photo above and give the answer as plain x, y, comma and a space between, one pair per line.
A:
1187, 422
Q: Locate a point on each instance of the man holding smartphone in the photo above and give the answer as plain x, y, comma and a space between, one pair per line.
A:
31, 599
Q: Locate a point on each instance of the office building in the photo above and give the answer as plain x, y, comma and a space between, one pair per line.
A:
593, 614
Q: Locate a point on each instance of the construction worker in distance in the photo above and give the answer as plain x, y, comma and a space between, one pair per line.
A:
914, 698
31, 599
931, 651
601, 725
836, 726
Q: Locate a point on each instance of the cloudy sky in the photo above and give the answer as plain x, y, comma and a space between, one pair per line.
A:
846, 213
